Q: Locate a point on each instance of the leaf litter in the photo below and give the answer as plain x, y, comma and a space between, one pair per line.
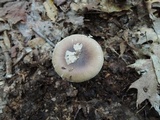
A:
147, 84
31, 29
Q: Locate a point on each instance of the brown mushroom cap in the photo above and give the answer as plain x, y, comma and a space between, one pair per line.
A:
77, 58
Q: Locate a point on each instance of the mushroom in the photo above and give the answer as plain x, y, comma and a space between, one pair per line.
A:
77, 58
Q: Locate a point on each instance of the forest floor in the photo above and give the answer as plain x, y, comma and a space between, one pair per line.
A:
32, 90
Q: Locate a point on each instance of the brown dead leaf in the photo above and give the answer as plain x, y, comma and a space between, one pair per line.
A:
150, 9
50, 9
7, 60
156, 65
103, 5
110, 6
144, 84
156, 60
156, 26
6, 40
4, 26
153, 7
4, 1
155, 48
14, 11
74, 19
36, 42
147, 84
75, 6
14, 51
146, 34
122, 48
41, 51
59, 2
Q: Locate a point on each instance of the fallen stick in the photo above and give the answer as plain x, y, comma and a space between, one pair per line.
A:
8, 60
24, 52
45, 38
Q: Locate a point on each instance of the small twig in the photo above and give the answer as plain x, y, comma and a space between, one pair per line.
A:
24, 52
45, 38
142, 108
79, 108
6, 40
8, 60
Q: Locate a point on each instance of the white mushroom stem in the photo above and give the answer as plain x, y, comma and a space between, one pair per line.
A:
72, 57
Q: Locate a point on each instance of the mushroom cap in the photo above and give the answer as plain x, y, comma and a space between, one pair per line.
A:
77, 58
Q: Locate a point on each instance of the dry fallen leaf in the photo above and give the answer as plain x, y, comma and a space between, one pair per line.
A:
50, 9
150, 8
156, 26
147, 84
40, 50
122, 48
153, 7
6, 40
156, 59
14, 11
156, 65
146, 34
7, 60
110, 6
4, 26
103, 5
59, 2
76, 20
76, 5
4, 1
36, 42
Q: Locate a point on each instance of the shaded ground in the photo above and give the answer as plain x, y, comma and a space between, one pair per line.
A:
40, 94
